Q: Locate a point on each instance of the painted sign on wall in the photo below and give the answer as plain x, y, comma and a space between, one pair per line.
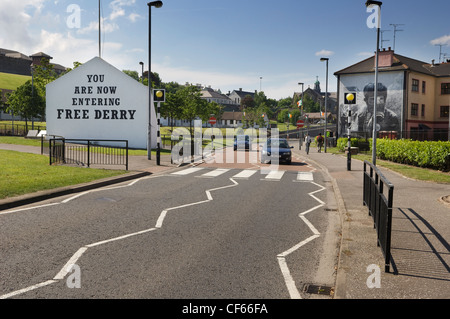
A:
389, 106
98, 101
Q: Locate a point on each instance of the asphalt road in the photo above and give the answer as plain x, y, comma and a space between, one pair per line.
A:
186, 236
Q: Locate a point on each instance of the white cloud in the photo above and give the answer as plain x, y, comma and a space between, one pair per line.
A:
117, 8
324, 53
93, 26
444, 40
134, 17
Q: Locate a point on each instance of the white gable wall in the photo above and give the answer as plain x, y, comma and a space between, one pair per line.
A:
98, 101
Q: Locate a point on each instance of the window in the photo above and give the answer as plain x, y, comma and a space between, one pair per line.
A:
424, 87
445, 88
415, 85
423, 109
444, 111
414, 109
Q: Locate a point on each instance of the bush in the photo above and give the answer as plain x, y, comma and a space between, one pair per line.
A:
428, 154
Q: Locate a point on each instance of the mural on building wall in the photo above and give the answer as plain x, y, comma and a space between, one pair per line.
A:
389, 106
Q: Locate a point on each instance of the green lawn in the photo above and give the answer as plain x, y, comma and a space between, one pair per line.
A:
23, 173
12, 81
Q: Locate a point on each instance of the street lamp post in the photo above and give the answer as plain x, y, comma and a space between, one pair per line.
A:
142, 72
371, 3
156, 4
300, 138
326, 104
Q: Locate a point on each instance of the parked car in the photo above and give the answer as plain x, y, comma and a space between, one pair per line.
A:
242, 143
272, 146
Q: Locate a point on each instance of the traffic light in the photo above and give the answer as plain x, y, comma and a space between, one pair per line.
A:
159, 95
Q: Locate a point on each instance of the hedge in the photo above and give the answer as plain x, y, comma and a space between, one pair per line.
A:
426, 154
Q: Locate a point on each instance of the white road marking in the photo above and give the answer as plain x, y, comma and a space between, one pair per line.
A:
215, 173
245, 174
188, 171
290, 282
305, 176
67, 267
275, 175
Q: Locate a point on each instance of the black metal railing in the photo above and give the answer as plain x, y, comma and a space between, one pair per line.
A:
380, 207
88, 152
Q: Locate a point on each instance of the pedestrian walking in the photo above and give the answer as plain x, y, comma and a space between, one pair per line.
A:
307, 142
319, 140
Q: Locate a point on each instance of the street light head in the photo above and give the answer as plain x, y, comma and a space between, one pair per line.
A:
156, 4
141, 63
372, 2
324, 59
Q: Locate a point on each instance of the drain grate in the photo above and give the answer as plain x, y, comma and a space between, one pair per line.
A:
318, 290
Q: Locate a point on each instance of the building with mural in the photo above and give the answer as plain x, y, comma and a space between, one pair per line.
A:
413, 97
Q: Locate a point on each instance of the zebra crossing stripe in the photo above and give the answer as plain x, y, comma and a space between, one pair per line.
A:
275, 175
215, 173
188, 171
245, 173
305, 176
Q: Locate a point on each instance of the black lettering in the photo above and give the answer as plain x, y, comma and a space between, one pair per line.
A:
77, 114
98, 114
83, 90
132, 112
117, 102
112, 89
68, 114
74, 101
100, 102
59, 113
111, 101
106, 114
89, 78
94, 102
85, 114
80, 101
77, 90
123, 114
114, 115
90, 90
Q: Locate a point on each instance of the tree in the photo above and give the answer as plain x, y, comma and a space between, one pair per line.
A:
133, 74
27, 101
247, 103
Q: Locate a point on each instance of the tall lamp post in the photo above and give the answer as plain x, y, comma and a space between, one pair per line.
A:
326, 104
300, 138
371, 4
156, 4
142, 73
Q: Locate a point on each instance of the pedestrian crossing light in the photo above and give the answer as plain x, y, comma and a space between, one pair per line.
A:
159, 95
350, 98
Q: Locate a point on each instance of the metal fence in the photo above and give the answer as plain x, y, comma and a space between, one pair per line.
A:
9, 129
88, 152
380, 207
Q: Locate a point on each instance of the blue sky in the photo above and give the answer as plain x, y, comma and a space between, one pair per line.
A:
226, 44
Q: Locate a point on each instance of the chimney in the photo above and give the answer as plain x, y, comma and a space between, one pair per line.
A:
385, 58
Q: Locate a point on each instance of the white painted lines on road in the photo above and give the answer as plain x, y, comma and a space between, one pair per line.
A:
290, 282
247, 173
275, 175
215, 173
188, 171
305, 176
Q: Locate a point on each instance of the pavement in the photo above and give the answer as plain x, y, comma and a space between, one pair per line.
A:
420, 267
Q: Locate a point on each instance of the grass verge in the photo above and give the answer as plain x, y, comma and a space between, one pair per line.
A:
23, 173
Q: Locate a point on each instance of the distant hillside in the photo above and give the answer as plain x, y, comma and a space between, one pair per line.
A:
12, 81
